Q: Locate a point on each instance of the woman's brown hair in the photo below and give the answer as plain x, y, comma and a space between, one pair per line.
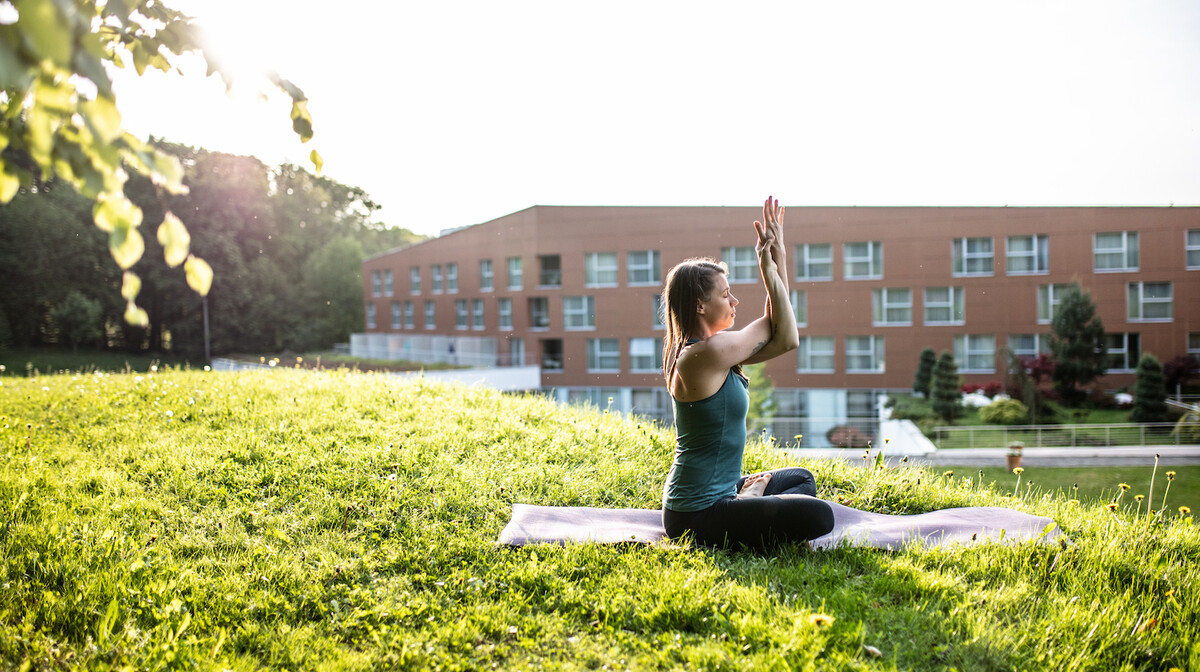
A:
688, 283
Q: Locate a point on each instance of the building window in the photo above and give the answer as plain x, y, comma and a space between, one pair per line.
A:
644, 267
375, 284
1027, 255
863, 261
409, 317
516, 352
516, 273
1115, 252
387, 283
1121, 352
1150, 302
1194, 344
552, 354
1048, 298
815, 354
550, 273
430, 314
645, 355
814, 261
579, 312
539, 312
800, 307
414, 280
600, 269
891, 307
864, 354
1028, 345
504, 311
659, 317
604, 355
397, 316
460, 314
370, 316
1192, 246
975, 353
451, 278
972, 256
944, 305
435, 284
486, 276
742, 263
477, 314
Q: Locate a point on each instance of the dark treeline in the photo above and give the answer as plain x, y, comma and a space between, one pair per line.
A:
286, 249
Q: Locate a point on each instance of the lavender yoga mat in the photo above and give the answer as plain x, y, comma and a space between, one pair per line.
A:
532, 524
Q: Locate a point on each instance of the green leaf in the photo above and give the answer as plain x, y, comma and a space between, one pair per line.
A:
131, 284
103, 117
9, 184
14, 75
301, 121
126, 245
88, 62
46, 31
114, 211
136, 316
199, 274
174, 238
168, 172
318, 162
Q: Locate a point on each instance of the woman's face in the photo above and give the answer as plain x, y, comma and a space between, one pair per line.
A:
719, 311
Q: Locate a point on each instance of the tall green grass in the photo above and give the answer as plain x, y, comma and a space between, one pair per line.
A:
327, 520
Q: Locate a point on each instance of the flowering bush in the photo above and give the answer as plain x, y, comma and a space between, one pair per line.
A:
990, 389
1005, 412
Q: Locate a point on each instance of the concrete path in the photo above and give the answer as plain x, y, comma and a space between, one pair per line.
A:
1114, 456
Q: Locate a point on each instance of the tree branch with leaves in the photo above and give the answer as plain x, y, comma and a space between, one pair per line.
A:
59, 116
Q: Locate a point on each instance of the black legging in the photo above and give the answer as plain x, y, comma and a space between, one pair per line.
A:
787, 511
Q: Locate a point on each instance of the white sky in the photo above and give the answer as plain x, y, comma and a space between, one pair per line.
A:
451, 113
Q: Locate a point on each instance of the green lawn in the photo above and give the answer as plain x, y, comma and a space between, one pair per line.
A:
331, 520
36, 361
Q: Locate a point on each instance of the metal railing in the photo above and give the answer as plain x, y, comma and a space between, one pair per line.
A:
1058, 436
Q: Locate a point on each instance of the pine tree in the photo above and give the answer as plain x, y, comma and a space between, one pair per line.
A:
947, 394
1077, 344
924, 372
1149, 392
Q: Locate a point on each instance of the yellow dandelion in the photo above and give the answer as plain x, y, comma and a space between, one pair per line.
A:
820, 619
1138, 498
1112, 506
947, 473
1185, 511
1123, 486
1170, 475
1019, 470
799, 436
1073, 502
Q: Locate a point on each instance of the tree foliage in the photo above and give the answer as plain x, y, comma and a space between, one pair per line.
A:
1004, 412
60, 117
924, 375
1149, 392
947, 394
286, 249
1077, 345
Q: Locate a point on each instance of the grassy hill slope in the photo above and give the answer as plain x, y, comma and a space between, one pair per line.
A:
328, 520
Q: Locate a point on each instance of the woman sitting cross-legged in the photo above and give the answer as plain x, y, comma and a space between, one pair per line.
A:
706, 498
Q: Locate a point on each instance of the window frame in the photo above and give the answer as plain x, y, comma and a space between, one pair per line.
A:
397, 315
504, 314
1130, 251
651, 266
966, 348
516, 280
961, 257
533, 303
487, 276
873, 256
414, 280
806, 356
596, 274
956, 303
1136, 302
430, 314
877, 353
881, 304
1130, 351
1038, 256
595, 354
799, 301
572, 313
1049, 297
1191, 249
462, 320
435, 279
741, 262
806, 261
655, 355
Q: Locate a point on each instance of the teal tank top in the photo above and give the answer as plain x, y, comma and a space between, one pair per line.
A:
708, 451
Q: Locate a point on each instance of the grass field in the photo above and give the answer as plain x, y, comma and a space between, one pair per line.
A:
1097, 485
329, 520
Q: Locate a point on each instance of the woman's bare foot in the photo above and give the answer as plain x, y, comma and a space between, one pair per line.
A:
754, 485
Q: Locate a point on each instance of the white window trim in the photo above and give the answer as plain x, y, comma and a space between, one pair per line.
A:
532, 313
452, 278
462, 315
414, 281
504, 315
955, 292
804, 260
370, 315
1034, 254
430, 315
831, 354
594, 344
389, 285
652, 256
410, 319
592, 262
798, 297
519, 276
588, 311
959, 252
1130, 365
967, 353
655, 352
738, 260
885, 304
436, 284
1189, 247
1039, 340
848, 260
878, 362
488, 275
1123, 250
1142, 302
397, 315
376, 284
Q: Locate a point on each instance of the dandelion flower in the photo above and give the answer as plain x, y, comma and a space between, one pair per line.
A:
1019, 470
799, 436
1170, 475
1138, 498
820, 619
1123, 486
1112, 506
947, 473
1073, 501
1185, 511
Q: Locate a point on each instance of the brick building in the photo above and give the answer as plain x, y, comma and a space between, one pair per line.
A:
574, 291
